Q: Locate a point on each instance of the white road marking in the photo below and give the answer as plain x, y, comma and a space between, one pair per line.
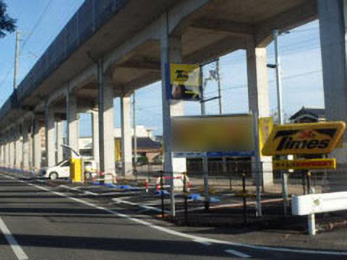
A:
139, 205
203, 241
237, 253
17, 249
188, 236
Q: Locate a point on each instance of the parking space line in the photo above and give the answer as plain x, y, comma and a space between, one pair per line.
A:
17, 249
139, 205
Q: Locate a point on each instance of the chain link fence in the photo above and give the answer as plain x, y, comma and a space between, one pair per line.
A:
232, 191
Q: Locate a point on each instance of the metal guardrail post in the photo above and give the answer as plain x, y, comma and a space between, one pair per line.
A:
244, 199
162, 195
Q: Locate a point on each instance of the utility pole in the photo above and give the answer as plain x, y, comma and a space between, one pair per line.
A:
16, 60
219, 88
135, 134
278, 78
280, 115
204, 157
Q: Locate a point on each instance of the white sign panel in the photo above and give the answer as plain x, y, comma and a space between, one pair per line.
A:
318, 203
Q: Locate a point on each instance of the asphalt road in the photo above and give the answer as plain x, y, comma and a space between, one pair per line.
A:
36, 222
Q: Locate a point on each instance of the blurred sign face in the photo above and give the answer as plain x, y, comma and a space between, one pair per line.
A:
314, 138
185, 81
213, 133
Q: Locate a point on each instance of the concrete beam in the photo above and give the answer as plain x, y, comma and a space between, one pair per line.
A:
290, 19
234, 28
141, 64
175, 18
216, 49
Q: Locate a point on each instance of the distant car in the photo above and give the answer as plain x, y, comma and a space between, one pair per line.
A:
62, 170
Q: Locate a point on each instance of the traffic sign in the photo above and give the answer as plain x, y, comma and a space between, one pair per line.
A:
312, 138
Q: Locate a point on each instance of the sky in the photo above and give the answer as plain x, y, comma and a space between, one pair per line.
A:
40, 21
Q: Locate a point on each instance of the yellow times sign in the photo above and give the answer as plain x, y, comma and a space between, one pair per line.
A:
185, 81
313, 138
304, 164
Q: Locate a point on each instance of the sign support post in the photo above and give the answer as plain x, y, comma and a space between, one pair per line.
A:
257, 165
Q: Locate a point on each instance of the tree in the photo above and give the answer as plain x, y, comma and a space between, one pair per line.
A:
7, 24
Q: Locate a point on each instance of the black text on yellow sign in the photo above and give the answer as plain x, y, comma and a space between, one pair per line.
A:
313, 138
311, 164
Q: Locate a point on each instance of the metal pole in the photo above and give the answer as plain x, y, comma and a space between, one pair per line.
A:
280, 114
185, 198
100, 69
257, 166
16, 60
278, 77
311, 217
135, 134
204, 158
219, 88
162, 194
244, 198
165, 63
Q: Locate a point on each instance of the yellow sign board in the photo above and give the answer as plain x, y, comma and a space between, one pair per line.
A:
312, 138
185, 81
304, 164
213, 133
265, 128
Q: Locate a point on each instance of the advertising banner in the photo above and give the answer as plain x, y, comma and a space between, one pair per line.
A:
312, 138
213, 134
185, 82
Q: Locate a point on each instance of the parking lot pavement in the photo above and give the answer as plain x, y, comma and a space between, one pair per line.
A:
62, 222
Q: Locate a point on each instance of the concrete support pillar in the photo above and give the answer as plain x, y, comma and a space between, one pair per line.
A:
37, 152
106, 124
2, 153
30, 145
6, 151
25, 146
333, 31
72, 122
258, 96
12, 150
127, 166
19, 148
95, 136
59, 141
50, 137
171, 52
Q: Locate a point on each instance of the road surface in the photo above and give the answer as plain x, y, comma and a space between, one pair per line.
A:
39, 222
